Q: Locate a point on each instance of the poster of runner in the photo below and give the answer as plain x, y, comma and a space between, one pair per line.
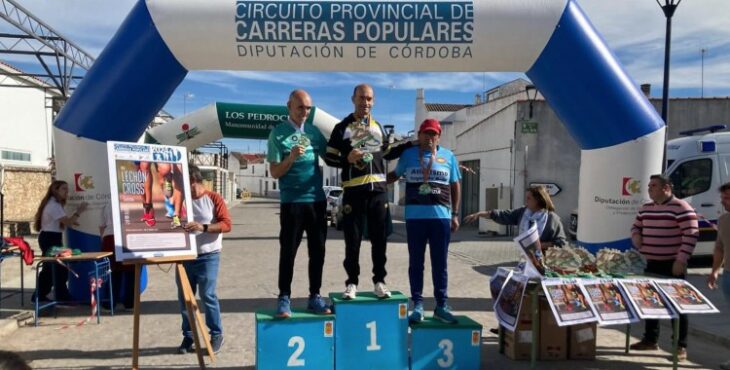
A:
568, 302
648, 303
150, 199
509, 302
685, 297
609, 302
497, 281
529, 245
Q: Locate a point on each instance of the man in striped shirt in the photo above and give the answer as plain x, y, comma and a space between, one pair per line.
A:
665, 232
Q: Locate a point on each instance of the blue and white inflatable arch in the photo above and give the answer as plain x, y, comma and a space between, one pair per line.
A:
552, 41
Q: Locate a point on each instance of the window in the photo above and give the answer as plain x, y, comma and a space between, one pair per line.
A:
692, 177
273, 185
10, 155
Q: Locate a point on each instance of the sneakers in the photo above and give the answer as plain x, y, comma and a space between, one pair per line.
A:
149, 218
381, 290
417, 315
186, 346
169, 207
644, 345
216, 342
175, 224
350, 292
444, 315
318, 305
681, 354
283, 309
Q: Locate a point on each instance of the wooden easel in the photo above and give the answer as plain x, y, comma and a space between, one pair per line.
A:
191, 304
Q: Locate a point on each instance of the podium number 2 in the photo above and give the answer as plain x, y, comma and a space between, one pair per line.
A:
374, 346
294, 360
448, 347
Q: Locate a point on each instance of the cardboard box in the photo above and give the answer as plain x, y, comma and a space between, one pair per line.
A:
517, 344
582, 342
553, 338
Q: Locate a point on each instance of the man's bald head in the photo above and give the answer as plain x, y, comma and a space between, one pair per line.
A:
364, 87
299, 106
363, 99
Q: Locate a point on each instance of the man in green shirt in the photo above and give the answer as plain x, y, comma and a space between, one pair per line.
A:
293, 150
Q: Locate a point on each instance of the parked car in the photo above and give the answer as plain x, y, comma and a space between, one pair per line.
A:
330, 195
335, 215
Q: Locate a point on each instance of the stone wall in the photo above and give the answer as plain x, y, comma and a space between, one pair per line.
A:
23, 189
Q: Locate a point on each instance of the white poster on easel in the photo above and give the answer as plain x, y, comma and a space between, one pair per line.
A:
151, 201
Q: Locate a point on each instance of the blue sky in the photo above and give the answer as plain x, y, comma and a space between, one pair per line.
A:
633, 28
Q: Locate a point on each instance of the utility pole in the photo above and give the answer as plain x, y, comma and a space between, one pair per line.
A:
668, 8
702, 82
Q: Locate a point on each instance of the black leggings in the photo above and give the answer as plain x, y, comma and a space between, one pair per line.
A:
46, 240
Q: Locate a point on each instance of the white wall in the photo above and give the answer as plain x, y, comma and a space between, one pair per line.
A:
25, 123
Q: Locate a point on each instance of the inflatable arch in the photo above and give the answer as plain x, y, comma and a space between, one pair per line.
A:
230, 120
619, 132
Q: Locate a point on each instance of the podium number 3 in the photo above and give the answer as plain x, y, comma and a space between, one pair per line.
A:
448, 347
294, 360
374, 346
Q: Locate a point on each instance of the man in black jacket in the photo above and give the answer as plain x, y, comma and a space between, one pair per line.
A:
359, 146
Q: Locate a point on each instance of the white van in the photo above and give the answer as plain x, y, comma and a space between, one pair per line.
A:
697, 164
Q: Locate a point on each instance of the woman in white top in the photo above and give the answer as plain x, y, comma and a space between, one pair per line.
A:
51, 220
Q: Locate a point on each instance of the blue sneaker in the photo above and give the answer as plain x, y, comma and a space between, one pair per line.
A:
216, 342
417, 315
169, 207
283, 308
444, 315
318, 305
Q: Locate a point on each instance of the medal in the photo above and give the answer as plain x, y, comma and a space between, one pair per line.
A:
367, 158
425, 188
304, 141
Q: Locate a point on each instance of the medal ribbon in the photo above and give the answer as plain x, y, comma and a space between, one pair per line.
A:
426, 170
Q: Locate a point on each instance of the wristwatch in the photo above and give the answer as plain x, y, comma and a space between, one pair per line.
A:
455, 213
205, 228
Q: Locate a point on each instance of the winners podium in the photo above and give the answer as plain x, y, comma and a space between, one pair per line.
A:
435, 345
303, 341
364, 333
371, 333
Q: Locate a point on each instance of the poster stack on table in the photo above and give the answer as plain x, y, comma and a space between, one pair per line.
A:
581, 303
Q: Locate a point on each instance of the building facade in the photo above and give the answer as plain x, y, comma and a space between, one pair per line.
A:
506, 142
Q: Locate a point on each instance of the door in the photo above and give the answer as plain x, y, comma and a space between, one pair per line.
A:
696, 180
469, 187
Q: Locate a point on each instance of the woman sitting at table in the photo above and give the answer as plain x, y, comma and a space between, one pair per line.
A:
51, 219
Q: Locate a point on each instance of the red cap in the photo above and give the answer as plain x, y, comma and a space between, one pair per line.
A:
430, 124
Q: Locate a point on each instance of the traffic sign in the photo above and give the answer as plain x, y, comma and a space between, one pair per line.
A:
552, 189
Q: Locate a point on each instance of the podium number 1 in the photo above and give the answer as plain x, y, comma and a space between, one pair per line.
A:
294, 360
448, 347
374, 346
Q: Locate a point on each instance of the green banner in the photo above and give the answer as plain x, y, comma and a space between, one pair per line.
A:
247, 121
